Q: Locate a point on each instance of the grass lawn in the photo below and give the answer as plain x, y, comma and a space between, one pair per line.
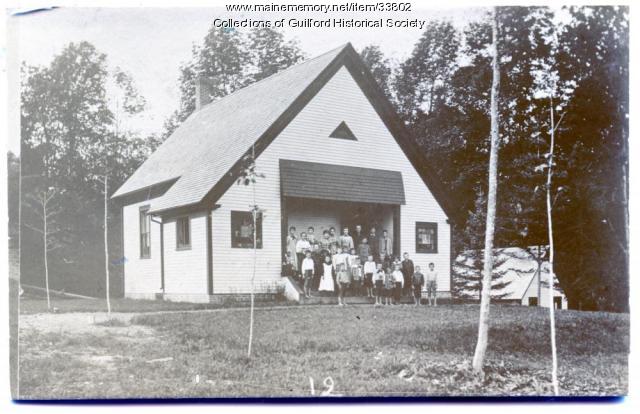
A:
35, 305
399, 351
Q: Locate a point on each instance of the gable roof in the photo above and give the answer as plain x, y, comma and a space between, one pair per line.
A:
203, 155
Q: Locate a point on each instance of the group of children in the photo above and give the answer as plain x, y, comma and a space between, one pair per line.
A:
334, 263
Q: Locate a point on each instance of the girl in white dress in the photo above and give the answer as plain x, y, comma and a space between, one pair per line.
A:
326, 281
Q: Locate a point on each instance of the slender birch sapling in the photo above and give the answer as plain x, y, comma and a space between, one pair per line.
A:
551, 280
248, 177
106, 245
42, 204
485, 296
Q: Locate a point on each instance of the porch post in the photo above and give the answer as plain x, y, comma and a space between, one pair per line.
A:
283, 226
396, 231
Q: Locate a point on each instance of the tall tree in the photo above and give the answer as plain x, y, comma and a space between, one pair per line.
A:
421, 80
591, 168
485, 298
64, 109
70, 140
591, 217
228, 60
270, 53
222, 60
380, 67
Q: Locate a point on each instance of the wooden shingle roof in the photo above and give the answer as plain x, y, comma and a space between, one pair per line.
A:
204, 147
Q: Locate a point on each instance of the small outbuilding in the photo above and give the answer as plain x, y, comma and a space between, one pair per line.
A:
521, 278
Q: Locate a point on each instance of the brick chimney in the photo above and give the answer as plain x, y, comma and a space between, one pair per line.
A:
204, 91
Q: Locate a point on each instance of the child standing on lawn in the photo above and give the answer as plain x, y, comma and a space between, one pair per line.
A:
388, 286
356, 272
307, 273
432, 284
407, 272
398, 280
343, 282
379, 283
418, 282
369, 270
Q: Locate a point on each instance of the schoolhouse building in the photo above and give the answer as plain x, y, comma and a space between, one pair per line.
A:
332, 152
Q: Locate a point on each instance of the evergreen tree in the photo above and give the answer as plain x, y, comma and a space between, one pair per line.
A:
468, 265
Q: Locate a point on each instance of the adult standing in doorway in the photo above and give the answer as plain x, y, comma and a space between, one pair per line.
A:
358, 235
386, 246
374, 245
346, 241
333, 239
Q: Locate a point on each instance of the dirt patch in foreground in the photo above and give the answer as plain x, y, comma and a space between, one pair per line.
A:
82, 323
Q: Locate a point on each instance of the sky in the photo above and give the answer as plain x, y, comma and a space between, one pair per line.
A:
151, 43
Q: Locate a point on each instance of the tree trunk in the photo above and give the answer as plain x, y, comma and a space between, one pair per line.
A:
46, 247
253, 275
554, 358
539, 272
485, 298
106, 248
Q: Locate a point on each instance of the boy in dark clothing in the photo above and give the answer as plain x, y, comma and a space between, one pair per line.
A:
418, 282
407, 272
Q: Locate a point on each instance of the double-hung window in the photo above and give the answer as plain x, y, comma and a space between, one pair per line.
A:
145, 233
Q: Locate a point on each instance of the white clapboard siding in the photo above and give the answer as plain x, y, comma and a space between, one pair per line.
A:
185, 270
306, 138
532, 292
321, 220
141, 276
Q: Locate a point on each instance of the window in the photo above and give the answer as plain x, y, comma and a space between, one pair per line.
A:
557, 302
242, 231
183, 233
145, 233
533, 301
343, 132
426, 237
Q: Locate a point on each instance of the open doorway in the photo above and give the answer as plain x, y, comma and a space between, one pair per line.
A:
303, 213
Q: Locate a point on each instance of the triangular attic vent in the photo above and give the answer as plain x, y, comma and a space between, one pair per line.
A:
343, 132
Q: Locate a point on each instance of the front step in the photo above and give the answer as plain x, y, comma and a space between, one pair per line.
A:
317, 299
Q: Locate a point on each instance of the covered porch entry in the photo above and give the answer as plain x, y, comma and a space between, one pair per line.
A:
327, 195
